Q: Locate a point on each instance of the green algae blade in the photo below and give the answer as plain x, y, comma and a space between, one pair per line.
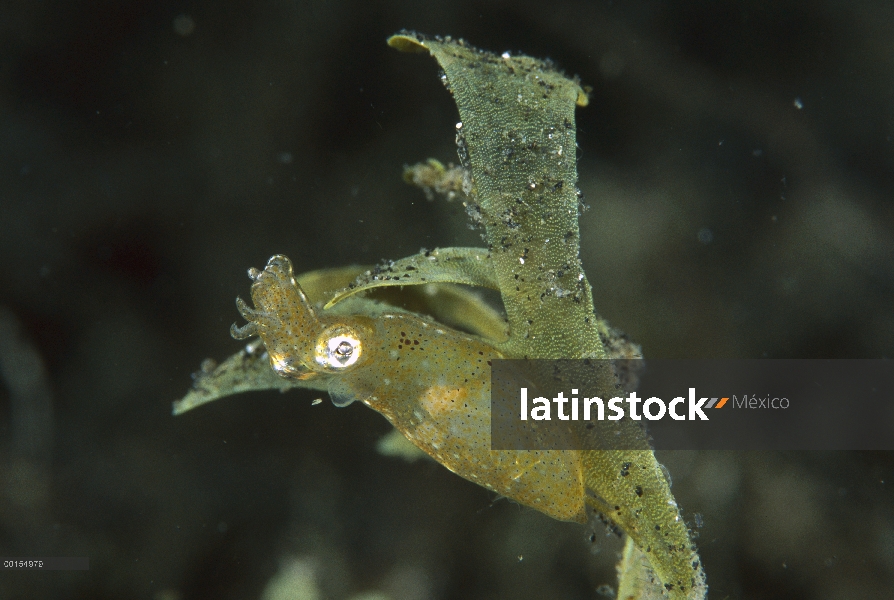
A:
635, 576
246, 371
632, 491
465, 266
517, 137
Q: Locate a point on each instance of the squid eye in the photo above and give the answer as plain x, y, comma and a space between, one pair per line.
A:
338, 349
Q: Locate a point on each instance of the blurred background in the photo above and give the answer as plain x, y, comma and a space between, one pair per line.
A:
739, 165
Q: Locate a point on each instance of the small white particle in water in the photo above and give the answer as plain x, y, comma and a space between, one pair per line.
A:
798, 104
459, 125
521, 260
316, 401
506, 55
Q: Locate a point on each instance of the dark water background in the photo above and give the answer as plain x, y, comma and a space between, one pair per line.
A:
739, 164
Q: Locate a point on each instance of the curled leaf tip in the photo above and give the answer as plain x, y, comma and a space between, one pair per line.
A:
407, 41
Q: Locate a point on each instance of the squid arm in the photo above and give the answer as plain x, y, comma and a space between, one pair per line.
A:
249, 369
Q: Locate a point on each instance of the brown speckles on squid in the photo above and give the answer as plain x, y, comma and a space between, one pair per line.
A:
430, 382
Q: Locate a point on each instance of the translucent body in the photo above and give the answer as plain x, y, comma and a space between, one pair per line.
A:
431, 382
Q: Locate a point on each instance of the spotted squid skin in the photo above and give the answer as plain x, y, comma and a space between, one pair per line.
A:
431, 382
